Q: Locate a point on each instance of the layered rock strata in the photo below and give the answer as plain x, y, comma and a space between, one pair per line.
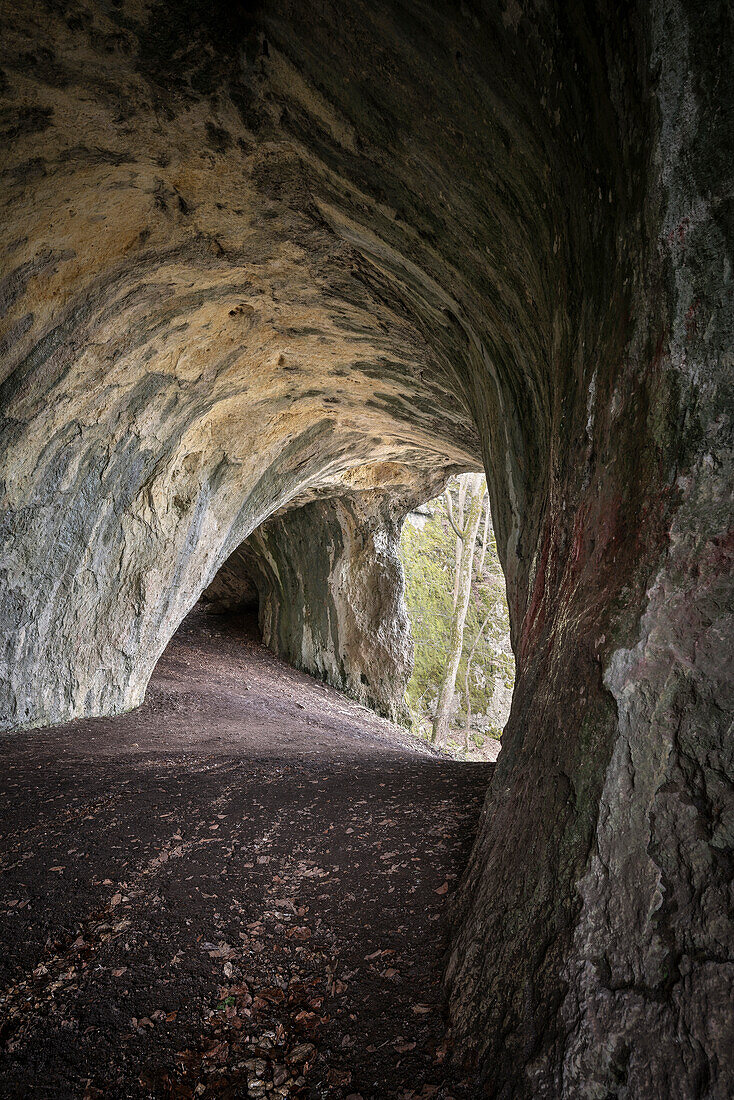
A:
328, 584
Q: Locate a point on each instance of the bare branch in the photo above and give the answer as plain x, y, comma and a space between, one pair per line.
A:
450, 513
486, 532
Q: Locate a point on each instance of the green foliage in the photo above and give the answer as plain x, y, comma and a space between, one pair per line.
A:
428, 556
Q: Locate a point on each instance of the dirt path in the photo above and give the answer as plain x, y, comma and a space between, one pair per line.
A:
238, 890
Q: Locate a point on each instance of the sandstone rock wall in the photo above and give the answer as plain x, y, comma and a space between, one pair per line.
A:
180, 322
329, 585
625, 703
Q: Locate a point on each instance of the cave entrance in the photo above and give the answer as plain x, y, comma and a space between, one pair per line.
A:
252, 256
404, 610
261, 868
463, 659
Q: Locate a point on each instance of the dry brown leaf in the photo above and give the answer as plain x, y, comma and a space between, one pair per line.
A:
339, 1076
300, 933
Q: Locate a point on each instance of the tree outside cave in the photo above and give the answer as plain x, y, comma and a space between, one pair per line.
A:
461, 688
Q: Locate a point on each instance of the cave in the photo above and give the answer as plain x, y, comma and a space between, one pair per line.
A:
274, 271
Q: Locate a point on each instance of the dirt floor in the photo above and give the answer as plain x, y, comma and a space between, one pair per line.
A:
238, 890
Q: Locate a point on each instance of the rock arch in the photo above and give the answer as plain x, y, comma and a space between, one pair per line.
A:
256, 253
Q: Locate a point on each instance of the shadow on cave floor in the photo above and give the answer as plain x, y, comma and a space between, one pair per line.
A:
240, 889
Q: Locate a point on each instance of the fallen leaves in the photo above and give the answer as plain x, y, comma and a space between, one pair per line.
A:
274, 996
302, 1052
277, 1008
224, 951
216, 1051
144, 1021
300, 933
339, 1076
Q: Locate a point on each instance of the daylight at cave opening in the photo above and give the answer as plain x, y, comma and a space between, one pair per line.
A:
276, 273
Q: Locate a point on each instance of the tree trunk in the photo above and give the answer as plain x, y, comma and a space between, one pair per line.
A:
469, 660
459, 519
441, 721
486, 536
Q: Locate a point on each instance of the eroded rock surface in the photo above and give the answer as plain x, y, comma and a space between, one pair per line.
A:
328, 583
250, 251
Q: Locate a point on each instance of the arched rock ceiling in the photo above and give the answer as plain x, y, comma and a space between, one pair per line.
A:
251, 248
